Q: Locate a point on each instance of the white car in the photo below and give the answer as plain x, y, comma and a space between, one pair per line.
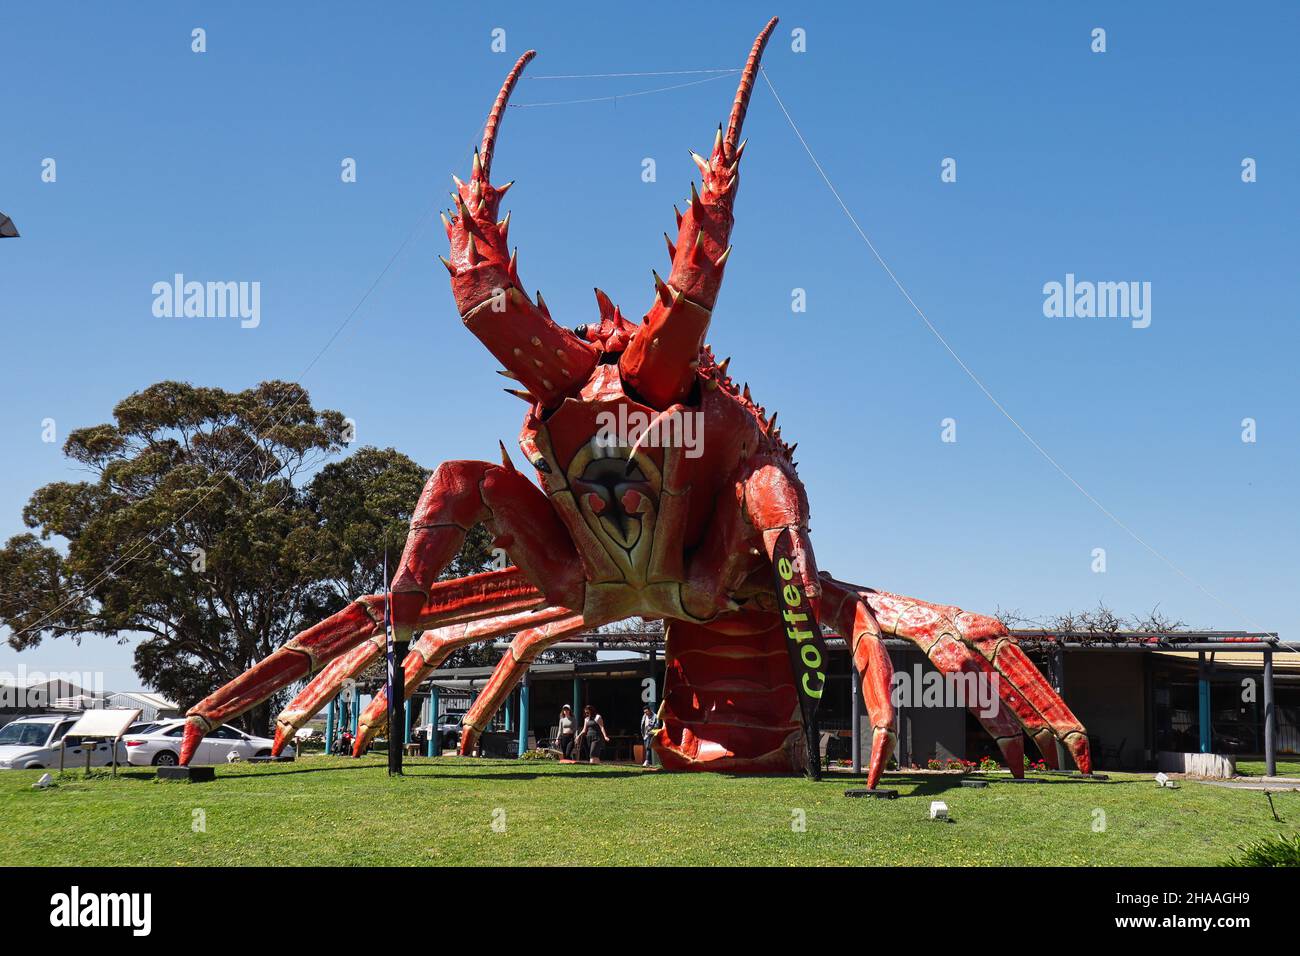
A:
34, 743
160, 746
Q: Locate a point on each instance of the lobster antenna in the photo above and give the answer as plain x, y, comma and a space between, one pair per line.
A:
499, 108
745, 89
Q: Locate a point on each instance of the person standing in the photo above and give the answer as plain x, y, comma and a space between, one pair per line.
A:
564, 733
649, 724
593, 729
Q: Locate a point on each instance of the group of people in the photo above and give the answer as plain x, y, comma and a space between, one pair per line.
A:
595, 735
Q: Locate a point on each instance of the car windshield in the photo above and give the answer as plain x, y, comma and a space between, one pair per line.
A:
24, 734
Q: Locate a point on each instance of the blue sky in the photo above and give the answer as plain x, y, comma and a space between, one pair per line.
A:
1115, 166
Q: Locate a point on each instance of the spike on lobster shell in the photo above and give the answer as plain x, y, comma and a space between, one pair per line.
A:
665, 293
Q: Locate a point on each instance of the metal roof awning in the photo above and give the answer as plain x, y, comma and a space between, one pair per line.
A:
1283, 663
474, 678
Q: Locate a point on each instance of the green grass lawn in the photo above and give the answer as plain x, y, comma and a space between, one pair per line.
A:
337, 811
1286, 767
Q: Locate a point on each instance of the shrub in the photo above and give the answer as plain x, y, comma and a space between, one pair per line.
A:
1282, 851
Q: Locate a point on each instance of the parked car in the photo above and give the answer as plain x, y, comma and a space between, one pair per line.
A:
161, 745
34, 743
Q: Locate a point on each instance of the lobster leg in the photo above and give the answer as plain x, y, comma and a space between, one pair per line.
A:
327, 682
776, 505
457, 496
434, 647
852, 619
510, 671
951, 656
935, 628
322, 688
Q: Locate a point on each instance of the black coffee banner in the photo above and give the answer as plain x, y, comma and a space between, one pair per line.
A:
803, 642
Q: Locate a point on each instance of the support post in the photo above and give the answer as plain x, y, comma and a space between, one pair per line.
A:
396, 678
396, 705
356, 712
855, 708
410, 707
577, 698
1270, 736
435, 744
650, 756
509, 709
904, 746
523, 715
329, 726
1203, 701
1058, 661
654, 677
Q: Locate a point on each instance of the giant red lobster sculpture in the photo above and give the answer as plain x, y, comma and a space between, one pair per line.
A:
626, 526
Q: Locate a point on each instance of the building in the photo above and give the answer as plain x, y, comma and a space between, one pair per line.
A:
22, 698
151, 706
1138, 694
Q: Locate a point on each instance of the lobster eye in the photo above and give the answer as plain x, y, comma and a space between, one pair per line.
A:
581, 332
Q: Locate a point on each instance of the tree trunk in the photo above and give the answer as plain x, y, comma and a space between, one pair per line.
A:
258, 720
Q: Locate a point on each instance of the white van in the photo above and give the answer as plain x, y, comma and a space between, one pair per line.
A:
33, 743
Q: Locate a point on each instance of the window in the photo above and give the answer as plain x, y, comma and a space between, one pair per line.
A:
62, 729
22, 734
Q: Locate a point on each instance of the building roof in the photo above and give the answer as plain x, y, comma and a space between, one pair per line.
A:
145, 697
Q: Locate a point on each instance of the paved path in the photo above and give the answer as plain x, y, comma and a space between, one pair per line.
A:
1254, 783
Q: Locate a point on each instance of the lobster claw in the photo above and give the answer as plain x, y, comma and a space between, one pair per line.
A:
550, 361
657, 364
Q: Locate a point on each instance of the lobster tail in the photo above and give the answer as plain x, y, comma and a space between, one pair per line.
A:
659, 363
